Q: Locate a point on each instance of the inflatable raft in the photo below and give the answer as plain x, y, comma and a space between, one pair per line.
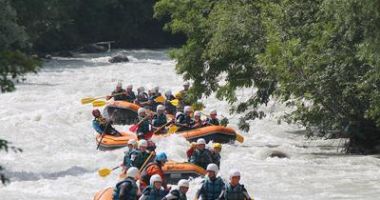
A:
174, 171
218, 134
112, 142
122, 112
105, 194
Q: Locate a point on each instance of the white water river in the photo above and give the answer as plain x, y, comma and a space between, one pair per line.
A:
45, 118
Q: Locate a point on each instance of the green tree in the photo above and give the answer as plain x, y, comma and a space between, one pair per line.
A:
321, 57
13, 63
4, 146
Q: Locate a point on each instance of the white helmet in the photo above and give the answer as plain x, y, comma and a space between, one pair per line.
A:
156, 89
155, 178
213, 112
212, 167
160, 108
186, 83
143, 143
132, 142
141, 111
183, 183
168, 93
177, 114
141, 89
197, 113
201, 141
130, 87
187, 109
234, 173
133, 172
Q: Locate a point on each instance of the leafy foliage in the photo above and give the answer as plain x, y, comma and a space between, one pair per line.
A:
4, 145
319, 56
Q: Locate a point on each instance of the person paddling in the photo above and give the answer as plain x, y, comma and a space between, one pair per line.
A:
213, 186
170, 108
130, 94
201, 156
127, 189
119, 94
215, 153
144, 127
102, 125
159, 119
180, 193
213, 120
154, 191
234, 190
153, 168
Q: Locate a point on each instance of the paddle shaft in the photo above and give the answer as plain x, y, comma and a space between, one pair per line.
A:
146, 161
105, 128
160, 128
101, 97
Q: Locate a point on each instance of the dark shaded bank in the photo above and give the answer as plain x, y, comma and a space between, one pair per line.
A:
55, 26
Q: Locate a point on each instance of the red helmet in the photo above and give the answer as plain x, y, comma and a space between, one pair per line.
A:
96, 112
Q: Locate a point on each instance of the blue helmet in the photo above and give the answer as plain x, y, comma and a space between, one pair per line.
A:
161, 157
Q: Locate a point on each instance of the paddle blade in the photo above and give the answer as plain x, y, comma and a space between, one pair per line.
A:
87, 100
173, 129
160, 99
104, 172
239, 138
134, 128
99, 103
174, 102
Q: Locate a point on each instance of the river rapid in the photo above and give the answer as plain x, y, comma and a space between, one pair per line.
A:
59, 161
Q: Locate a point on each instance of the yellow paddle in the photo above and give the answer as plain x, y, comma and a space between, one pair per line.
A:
174, 102
88, 100
160, 99
103, 172
99, 103
172, 129
106, 171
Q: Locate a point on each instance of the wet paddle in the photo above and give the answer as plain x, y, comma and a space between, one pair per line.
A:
87, 100
104, 132
136, 126
172, 129
106, 171
160, 128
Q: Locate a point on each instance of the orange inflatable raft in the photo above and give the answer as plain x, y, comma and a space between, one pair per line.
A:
219, 134
174, 171
113, 142
122, 112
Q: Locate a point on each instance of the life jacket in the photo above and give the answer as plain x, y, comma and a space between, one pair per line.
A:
99, 124
120, 97
216, 158
148, 172
177, 194
201, 158
159, 120
144, 127
180, 118
212, 189
234, 193
131, 194
142, 97
154, 194
131, 96
213, 121
137, 158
